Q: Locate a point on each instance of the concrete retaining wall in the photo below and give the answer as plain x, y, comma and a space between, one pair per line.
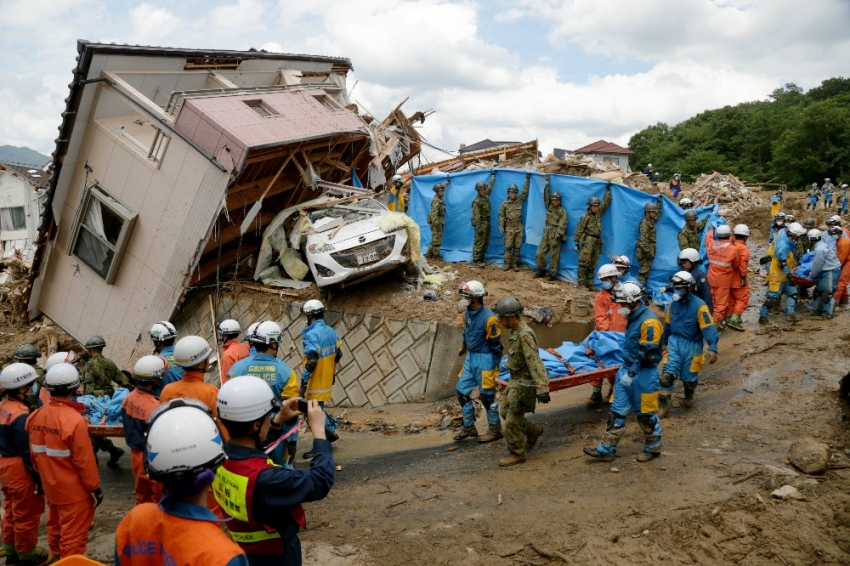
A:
385, 360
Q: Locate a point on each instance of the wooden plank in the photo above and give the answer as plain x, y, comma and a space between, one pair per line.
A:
232, 231
272, 291
286, 148
228, 258
138, 97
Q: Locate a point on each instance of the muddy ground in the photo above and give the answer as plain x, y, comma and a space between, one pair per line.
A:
407, 494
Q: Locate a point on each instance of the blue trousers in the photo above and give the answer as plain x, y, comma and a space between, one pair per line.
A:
774, 296
684, 360
330, 423
639, 397
825, 291
479, 371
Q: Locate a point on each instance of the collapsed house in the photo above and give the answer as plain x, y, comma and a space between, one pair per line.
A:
171, 164
23, 191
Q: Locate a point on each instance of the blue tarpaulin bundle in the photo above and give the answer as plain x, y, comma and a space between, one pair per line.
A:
97, 406
805, 266
606, 346
619, 225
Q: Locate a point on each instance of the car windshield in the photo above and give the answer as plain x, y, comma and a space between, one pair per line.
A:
351, 212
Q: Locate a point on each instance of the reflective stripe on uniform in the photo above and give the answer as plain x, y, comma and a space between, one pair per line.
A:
247, 538
720, 263
42, 449
319, 391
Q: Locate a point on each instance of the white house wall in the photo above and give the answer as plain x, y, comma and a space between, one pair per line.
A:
175, 205
14, 192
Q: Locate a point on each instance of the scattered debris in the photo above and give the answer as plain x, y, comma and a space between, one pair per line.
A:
430, 296
788, 492
499, 499
615, 470
809, 456
725, 190
413, 428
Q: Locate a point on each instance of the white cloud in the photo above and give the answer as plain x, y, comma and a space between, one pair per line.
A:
246, 16
151, 24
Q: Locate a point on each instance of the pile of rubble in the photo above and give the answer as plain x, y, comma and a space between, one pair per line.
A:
14, 274
727, 191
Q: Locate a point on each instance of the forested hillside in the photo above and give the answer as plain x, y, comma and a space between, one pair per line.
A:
792, 137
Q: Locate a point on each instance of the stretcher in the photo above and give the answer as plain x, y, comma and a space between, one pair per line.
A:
114, 431
802, 281
575, 378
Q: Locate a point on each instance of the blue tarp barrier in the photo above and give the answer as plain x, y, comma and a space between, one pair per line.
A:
619, 225
607, 346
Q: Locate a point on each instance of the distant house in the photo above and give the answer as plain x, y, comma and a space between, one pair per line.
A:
560, 153
484, 144
608, 152
23, 191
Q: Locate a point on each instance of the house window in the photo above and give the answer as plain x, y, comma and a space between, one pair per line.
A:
260, 108
101, 232
614, 160
13, 218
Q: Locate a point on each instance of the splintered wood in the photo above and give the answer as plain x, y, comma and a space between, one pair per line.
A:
727, 191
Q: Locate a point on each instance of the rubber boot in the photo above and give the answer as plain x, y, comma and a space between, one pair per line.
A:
494, 432
663, 406
507, 266
647, 456
539, 273
115, 454
515, 263
594, 453
590, 285
551, 277
466, 433
595, 398
532, 435
690, 388
41, 557
582, 277
735, 322
331, 436
512, 459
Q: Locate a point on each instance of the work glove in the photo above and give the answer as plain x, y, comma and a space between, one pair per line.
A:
563, 237
743, 281
662, 290
544, 397
627, 379
712, 357
608, 187
97, 495
462, 349
578, 248
39, 489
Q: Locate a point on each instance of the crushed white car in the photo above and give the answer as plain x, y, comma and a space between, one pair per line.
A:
338, 235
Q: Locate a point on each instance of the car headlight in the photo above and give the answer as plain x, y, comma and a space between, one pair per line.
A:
324, 271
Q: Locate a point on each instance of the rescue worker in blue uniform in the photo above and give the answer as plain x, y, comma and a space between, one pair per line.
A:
776, 226
690, 261
283, 380
163, 335
637, 384
827, 192
263, 500
814, 196
624, 266
825, 270
482, 344
782, 260
688, 322
322, 352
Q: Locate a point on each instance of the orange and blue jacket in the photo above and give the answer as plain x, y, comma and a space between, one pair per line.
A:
183, 533
723, 261
14, 440
62, 452
607, 313
135, 411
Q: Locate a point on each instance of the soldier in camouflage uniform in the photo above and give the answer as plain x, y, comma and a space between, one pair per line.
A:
646, 240
689, 235
98, 375
510, 223
437, 219
481, 209
554, 234
588, 238
529, 382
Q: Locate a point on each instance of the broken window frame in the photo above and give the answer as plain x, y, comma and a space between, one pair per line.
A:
8, 213
82, 229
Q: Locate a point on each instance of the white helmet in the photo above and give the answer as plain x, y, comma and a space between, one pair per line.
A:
252, 328
833, 220
397, 177
628, 293
621, 261
313, 306
190, 351
690, 255
61, 358
723, 231
608, 270
245, 399
472, 289
685, 202
814, 234
796, 229
649, 164
741, 230
183, 441
682, 279
229, 326
827, 179
15, 376
814, 185
789, 218
163, 330
62, 378
150, 369
266, 332
844, 185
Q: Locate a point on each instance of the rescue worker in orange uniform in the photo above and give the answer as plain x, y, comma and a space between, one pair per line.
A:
842, 250
264, 500
183, 450
192, 354
608, 318
135, 411
740, 290
63, 456
22, 492
232, 350
723, 271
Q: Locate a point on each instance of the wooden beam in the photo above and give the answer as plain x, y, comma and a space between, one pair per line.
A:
138, 97
231, 232
228, 258
344, 138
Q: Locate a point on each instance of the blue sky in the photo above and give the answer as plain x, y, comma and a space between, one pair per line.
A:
566, 72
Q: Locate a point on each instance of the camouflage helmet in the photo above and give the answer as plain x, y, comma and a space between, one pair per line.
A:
438, 187
27, 352
555, 196
690, 215
593, 201
650, 207
480, 186
508, 306
512, 188
810, 223
95, 342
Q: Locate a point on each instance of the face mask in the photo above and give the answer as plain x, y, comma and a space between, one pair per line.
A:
464, 303
624, 312
607, 285
677, 297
